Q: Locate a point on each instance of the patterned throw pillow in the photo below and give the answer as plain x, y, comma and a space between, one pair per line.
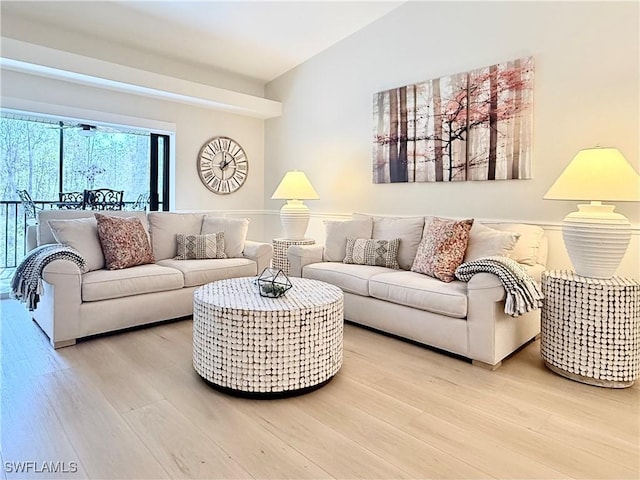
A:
124, 241
383, 253
198, 247
442, 249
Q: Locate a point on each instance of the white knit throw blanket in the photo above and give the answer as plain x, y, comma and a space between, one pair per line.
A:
26, 283
523, 293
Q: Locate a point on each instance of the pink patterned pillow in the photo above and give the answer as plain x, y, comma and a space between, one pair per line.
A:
442, 249
124, 242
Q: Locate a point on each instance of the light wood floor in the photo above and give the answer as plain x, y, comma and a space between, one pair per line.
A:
131, 406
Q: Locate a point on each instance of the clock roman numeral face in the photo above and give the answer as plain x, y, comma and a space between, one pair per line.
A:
222, 165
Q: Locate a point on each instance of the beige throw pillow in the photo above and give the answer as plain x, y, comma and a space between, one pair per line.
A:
81, 234
407, 229
234, 229
165, 225
527, 247
442, 248
487, 242
198, 247
124, 241
336, 233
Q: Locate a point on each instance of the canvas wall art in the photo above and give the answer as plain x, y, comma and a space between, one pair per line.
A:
468, 126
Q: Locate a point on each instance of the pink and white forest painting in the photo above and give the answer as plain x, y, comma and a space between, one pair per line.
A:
468, 126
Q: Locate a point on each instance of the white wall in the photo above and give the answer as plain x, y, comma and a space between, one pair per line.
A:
586, 93
193, 127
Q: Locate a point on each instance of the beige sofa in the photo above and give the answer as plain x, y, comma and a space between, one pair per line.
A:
76, 304
466, 319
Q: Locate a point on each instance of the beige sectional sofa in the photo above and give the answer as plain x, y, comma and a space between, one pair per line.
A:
466, 319
76, 304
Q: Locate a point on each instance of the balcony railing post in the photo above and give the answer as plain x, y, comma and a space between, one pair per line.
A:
13, 221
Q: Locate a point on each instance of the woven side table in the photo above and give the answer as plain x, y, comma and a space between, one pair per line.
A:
590, 328
280, 247
254, 346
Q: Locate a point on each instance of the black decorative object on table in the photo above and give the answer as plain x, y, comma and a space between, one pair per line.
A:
273, 283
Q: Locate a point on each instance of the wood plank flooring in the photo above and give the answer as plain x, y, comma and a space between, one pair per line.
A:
130, 406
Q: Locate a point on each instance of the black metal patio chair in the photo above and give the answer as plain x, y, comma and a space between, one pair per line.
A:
71, 200
142, 202
103, 199
29, 207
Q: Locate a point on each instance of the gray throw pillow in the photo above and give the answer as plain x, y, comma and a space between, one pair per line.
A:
199, 247
364, 251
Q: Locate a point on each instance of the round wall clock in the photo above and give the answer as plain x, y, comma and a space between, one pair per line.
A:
222, 165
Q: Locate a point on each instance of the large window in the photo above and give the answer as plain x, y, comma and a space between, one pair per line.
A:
29, 158
46, 157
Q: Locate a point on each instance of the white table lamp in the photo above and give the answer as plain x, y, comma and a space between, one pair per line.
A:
596, 237
294, 215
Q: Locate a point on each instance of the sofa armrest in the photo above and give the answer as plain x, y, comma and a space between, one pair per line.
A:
492, 333
31, 237
301, 255
486, 283
60, 267
58, 312
259, 252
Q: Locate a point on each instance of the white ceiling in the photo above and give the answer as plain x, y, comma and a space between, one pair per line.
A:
257, 39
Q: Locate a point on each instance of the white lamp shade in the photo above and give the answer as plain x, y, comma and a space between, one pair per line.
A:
294, 215
597, 174
295, 185
596, 237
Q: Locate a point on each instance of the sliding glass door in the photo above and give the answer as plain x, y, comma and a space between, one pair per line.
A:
46, 157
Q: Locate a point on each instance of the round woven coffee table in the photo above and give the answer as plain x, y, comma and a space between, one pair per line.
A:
249, 345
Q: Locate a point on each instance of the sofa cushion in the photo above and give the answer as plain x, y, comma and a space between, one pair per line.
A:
527, 247
487, 242
336, 236
382, 253
81, 234
442, 248
106, 284
235, 233
350, 278
124, 241
421, 292
200, 272
407, 229
165, 225
199, 247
